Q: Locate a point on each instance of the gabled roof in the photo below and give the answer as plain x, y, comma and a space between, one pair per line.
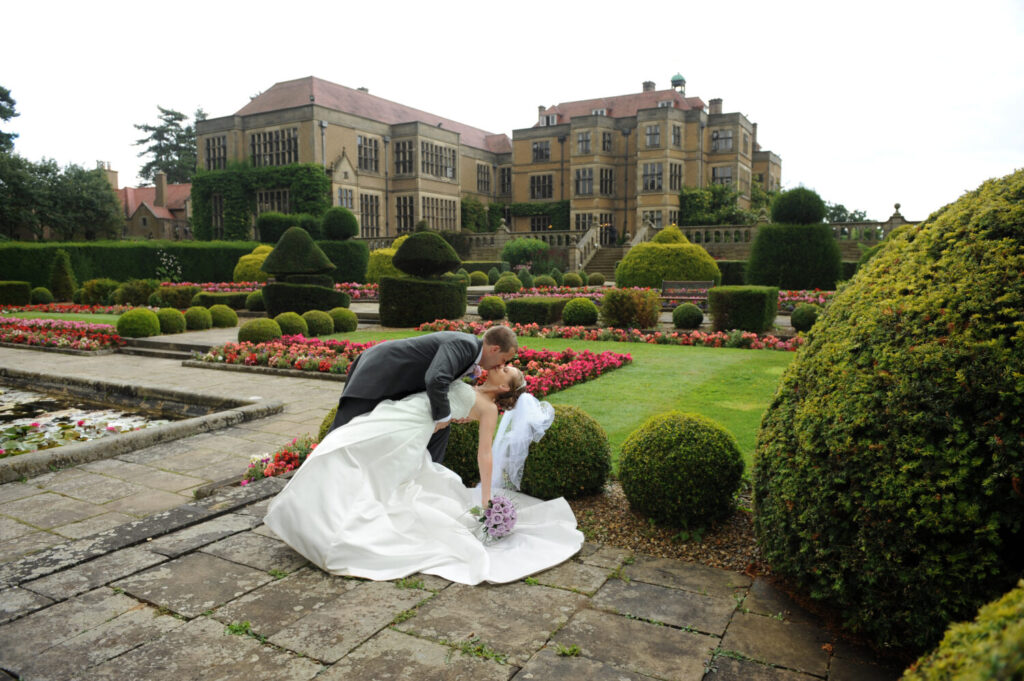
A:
622, 106
175, 197
304, 91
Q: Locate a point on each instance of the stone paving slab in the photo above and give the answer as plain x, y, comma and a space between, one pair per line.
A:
258, 552
50, 510
181, 542
579, 577
93, 525
193, 584
548, 665
675, 607
659, 651
202, 650
793, 645
14, 548
15, 602
399, 657
728, 669
765, 599
12, 529
332, 631
514, 619
87, 576
690, 576
610, 557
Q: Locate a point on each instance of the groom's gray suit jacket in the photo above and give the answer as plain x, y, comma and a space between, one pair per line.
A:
394, 369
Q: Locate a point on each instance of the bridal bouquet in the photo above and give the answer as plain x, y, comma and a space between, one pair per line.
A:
497, 519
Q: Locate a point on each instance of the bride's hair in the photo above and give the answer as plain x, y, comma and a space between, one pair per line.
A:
507, 400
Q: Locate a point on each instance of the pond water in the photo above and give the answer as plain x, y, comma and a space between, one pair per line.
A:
30, 421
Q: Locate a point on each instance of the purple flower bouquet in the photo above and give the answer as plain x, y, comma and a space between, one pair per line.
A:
498, 519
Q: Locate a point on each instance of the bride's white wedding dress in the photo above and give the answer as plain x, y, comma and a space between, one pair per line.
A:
369, 502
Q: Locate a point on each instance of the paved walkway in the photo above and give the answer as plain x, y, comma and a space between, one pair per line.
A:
112, 570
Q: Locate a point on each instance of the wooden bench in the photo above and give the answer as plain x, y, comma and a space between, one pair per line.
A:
675, 293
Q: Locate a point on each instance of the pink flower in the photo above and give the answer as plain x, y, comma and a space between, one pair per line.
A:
112, 429
244, 483
34, 424
81, 422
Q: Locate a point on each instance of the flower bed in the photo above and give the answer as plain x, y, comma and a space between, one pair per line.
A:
354, 290
69, 308
284, 460
717, 339
787, 299
58, 333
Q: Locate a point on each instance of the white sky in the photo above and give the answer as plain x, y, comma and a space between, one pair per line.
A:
867, 102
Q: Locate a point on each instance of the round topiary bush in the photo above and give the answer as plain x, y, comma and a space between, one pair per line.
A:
803, 316
893, 447
798, 206
595, 279
138, 323
41, 295
648, 264
381, 264
250, 267
687, 316
478, 278
223, 316
198, 318
171, 320
319, 322
543, 281
345, 320
254, 302
580, 312
259, 331
426, 254
461, 454
508, 283
557, 275
490, 308
680, 469
990, 647
493, 275
339, 223
572, 279
572, 460
670, 235
292, 324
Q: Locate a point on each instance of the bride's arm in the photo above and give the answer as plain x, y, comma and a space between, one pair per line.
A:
488, 421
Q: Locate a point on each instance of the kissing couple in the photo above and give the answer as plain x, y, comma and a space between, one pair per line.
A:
373, 499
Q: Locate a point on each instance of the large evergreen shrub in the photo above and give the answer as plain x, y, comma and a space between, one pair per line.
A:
292, 324
172, 296
747, 308
15, 293
138, 323
490, 308
287, 297
350, 259
524, 250
250, 268
338, 224
319, 322
682, 470
134, 292
198, 318
648, 264
630, 308
101, 292
670, 235
296, 253
381, 265
425, 254
572, 460
223, 316
236, 301
345, 320
535, 310
889, 465
580, 312
62, 277
410, 301
508, 283
461, 453
40, 295
794, 257
798, 206
171, 320
259, 331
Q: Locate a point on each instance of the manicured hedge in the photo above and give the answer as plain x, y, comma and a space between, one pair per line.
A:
484, 265
794, 257
284, 297
122, 260
409, 301
15, 293
734, 272
748, 308
535, 310
236, 301
350, 259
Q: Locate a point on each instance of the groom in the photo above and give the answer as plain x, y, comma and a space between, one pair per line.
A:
394, 369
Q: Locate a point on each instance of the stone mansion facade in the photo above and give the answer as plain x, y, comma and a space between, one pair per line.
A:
618, 160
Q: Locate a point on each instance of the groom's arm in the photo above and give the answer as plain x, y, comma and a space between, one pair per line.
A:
448, 364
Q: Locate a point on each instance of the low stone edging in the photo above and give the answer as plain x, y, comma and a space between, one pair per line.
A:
63, 351
267, 371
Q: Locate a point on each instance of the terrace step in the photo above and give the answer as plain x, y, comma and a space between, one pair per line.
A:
149, 344
154, 352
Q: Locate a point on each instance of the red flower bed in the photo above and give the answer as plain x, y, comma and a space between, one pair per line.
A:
33, 334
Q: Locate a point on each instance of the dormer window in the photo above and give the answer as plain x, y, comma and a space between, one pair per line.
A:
548, 119
665, 104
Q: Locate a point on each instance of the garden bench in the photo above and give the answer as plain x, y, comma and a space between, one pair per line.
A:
675, 293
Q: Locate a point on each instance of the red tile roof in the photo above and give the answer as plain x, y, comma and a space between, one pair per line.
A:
623, 105
300, 92
174, 197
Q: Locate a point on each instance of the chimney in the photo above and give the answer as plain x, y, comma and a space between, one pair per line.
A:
648, 86
111, 175
715, 106
540, 108
160, 180
753, 138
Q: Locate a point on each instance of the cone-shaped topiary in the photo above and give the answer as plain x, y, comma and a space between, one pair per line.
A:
339, 223
259, 331
138, 323
292, 324
319, 322
580, 312
556, 274
572, 460
525, 277
889, 466
223, 316
171, 320
680, 469
493, 275
426, 254
62, 276
198, 318
345, 320
296, 253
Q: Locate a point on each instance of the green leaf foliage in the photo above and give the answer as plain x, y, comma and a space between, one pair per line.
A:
630, 308
409, 301
799, 206
41, 295
648, 264
747, 308
580, 312
235, 301
508, 283
224, 317
491, 308
15, 293
524, 250
461, 454
319, 322
339, 224
259, 331
426, 255
198, 318
572, 460
62, 277
296, 253
535, 310
670, 235
299, 298
687, 316
350, 259
794, 257
171, 320
804, 315
889, 466
682, 470
292, 324
345, 320
138, 323
178, 297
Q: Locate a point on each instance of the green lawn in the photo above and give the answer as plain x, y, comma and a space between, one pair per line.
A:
732, 387
89, 318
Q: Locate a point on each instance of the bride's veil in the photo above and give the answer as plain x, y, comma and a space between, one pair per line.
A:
520, 426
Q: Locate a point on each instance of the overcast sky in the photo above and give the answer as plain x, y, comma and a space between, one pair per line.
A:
867, 102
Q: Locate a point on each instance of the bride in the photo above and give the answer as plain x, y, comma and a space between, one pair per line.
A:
369, 502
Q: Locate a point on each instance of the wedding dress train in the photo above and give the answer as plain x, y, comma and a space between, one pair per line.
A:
369, 502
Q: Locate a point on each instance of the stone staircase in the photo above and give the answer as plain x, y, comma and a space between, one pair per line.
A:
604, 261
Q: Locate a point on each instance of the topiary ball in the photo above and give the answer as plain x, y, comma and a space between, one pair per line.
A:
525, 277
461, 454
319, 322
508, 283
803, 316
345, 320
155, 300
339, 223
425, 254
595, 279
41, 295
292, 324
493, 275
572, 279
580, 312
687, 316
572, 460
670, 235
223, 316
171, 320
490, 308
138, 323
325, 425
680, 469
254, 302
259, 331
543, 281
198, 318
250, 267
478, 278
798, 206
